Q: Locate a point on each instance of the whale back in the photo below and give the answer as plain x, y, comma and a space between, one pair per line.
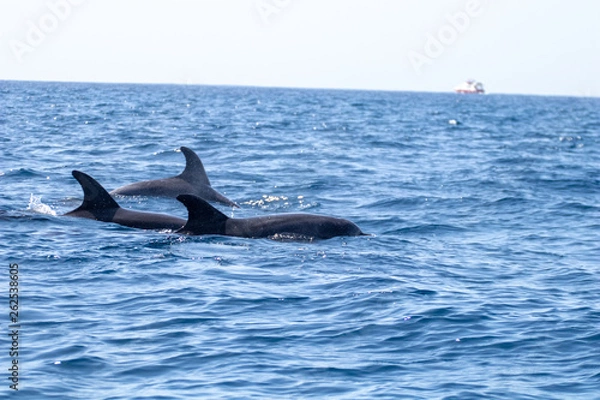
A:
204, 219
193, 180
99, 205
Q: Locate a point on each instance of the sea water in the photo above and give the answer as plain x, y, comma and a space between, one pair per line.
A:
480, 278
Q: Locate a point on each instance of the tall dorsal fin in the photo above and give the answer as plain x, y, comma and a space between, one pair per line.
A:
202, 217
194, 170
95, 197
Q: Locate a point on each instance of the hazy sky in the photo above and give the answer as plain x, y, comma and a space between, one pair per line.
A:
534, 47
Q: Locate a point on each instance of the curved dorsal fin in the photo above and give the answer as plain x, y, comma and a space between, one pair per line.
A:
202, 217
95, 197
194, 170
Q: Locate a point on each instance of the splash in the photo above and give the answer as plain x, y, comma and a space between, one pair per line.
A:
36, 205
267, 199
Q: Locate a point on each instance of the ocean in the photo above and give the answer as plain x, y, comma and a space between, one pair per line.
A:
479, 280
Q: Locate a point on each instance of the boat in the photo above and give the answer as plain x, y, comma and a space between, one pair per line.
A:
470, 86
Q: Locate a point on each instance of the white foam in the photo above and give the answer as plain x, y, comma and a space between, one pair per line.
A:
36, 205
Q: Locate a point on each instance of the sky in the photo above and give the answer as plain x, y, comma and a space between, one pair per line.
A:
542, 47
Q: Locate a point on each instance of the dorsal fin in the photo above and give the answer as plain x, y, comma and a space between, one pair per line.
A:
194, 170
95, 197
202, 217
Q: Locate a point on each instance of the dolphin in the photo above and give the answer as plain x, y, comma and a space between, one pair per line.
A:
193, 180
99, 205
204, 219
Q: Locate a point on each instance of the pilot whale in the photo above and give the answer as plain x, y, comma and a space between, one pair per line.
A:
193, 180
204, 219
99, 205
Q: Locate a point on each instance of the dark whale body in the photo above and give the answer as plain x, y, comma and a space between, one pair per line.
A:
204, 219
99, 205
193, 180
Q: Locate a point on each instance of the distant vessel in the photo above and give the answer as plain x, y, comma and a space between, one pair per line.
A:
471, 86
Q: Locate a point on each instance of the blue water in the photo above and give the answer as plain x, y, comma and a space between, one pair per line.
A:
480, 279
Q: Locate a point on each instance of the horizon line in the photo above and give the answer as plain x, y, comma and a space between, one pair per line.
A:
591, 96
